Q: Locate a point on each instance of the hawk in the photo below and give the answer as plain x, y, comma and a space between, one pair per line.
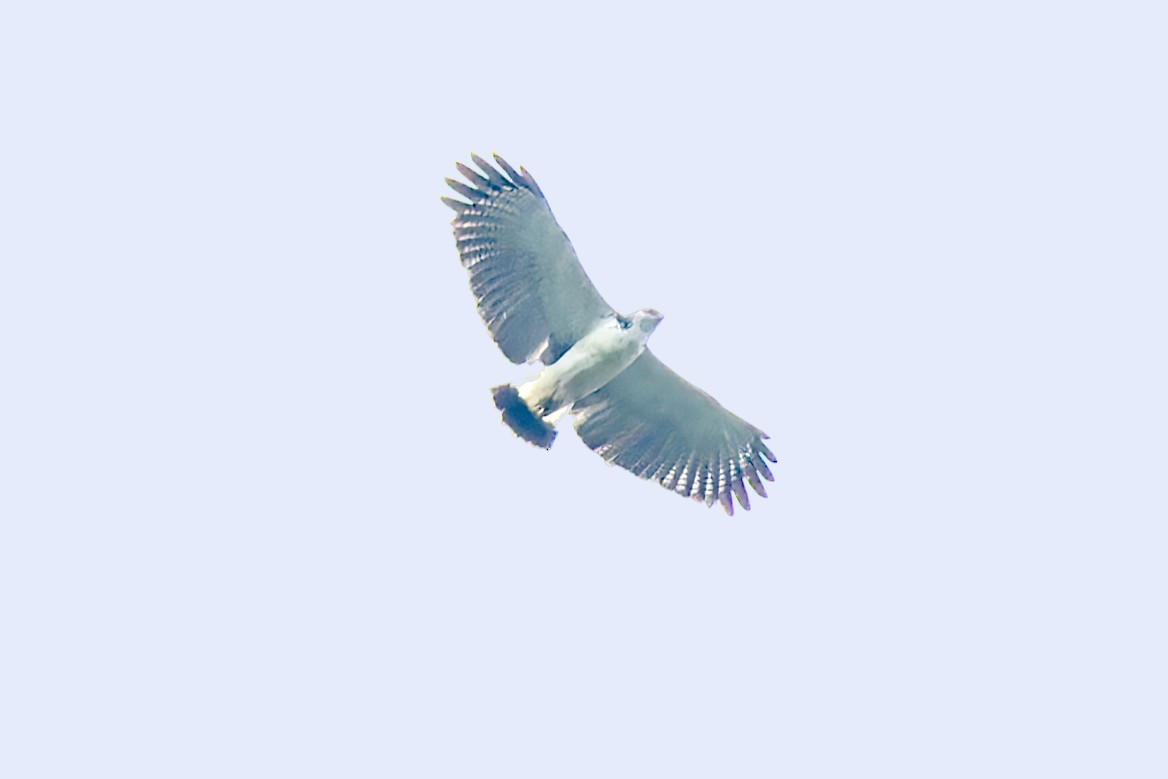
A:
627, 405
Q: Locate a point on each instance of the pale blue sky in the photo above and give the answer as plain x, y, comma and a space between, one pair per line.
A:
260, 517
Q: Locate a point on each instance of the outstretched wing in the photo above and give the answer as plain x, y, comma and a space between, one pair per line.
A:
531, 291
656, 424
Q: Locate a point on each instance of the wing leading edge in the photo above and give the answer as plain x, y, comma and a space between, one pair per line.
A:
531, 290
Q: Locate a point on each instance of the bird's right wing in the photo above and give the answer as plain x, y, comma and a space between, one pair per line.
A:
531, 290
656, 424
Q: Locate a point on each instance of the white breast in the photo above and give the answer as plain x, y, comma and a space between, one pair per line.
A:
591, 363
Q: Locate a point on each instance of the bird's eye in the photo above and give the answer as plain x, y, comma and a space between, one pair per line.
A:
625, 323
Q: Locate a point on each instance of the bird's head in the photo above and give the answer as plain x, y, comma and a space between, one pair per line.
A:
646, 320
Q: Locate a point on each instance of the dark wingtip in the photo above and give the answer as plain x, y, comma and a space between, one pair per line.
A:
483, 164
476, 178
530, 182
727, 502
766, 452
740, 493
469, 193
510, 171
756, 483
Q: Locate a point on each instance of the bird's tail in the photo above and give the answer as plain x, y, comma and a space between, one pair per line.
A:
519, 417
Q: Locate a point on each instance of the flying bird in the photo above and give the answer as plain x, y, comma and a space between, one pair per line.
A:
627, 405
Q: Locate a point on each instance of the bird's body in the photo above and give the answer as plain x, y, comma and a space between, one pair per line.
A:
589, 364
539, 305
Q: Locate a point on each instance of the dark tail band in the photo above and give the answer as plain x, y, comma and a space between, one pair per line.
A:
521, 419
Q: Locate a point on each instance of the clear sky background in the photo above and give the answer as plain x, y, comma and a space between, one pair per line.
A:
260, 517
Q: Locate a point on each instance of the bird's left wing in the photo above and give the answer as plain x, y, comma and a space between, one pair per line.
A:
656, 424
531, 290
